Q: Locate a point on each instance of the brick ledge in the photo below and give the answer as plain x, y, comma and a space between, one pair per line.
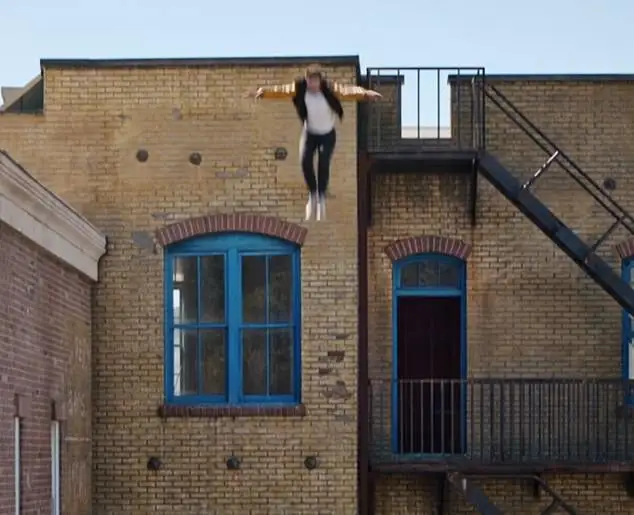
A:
175, 411
625, 249
228, 222
405, 247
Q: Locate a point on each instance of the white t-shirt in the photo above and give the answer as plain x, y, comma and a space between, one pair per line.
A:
321, 117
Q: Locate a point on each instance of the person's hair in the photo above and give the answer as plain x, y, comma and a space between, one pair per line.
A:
314, 71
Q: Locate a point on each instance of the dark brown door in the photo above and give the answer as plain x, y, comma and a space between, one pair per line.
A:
429, 417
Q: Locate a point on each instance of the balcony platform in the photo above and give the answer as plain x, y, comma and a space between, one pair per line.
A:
423, 156
473, 467
445, 121
501, 426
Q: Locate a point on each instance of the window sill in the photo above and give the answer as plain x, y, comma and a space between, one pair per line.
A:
176, 411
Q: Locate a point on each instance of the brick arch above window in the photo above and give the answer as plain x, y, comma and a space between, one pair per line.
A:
400, 249
625, 249
233, 222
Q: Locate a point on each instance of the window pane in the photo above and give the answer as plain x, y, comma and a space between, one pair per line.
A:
184, 282
254, 289
409, 275
254, 380
185, 362
428, 273
212, 289
213, 354
281, 362
280, 288
448, 275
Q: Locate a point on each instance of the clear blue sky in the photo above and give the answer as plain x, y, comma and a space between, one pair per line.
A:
538, 36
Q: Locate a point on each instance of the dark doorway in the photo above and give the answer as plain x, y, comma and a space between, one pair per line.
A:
429, 414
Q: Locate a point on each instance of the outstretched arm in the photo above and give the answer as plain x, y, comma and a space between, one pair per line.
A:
342, 91
278, 91
351, 92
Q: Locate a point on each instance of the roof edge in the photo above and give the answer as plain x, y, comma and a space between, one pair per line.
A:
332, 60
33, 83
45, 219
377, 80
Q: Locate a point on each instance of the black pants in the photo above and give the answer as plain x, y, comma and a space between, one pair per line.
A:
324, 144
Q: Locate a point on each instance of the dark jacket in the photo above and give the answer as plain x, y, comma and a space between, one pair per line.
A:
299, 100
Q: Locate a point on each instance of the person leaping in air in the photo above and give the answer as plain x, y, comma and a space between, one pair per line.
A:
318, 105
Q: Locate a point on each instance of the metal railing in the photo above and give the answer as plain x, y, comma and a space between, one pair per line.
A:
502, 421
424, 108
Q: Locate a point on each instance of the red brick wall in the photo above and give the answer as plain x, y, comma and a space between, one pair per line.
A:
44, 356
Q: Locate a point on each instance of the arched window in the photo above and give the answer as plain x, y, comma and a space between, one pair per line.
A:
232, 318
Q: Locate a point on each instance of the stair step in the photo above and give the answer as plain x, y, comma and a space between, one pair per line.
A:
535, 210
472, 494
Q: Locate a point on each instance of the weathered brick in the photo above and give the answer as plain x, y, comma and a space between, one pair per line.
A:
84, 148
531, 311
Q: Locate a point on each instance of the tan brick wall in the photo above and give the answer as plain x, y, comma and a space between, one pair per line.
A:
595, 493
531, 312
45, 351
84, 149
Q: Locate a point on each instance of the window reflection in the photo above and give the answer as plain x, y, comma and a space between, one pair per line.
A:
267, 361
430, 273
204, 288
199, 297
266, 289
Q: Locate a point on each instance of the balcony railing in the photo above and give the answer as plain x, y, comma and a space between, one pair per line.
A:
424, 109
502, 421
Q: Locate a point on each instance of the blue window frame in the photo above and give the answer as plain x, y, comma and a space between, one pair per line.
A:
232, 320
627, 333
428, 275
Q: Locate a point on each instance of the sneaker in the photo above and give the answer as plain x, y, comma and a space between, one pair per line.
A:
311, 207
321, 208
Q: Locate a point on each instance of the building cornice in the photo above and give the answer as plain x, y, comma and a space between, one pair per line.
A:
45, 219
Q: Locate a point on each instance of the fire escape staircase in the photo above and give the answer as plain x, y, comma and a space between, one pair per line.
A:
474, 496
584, 254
